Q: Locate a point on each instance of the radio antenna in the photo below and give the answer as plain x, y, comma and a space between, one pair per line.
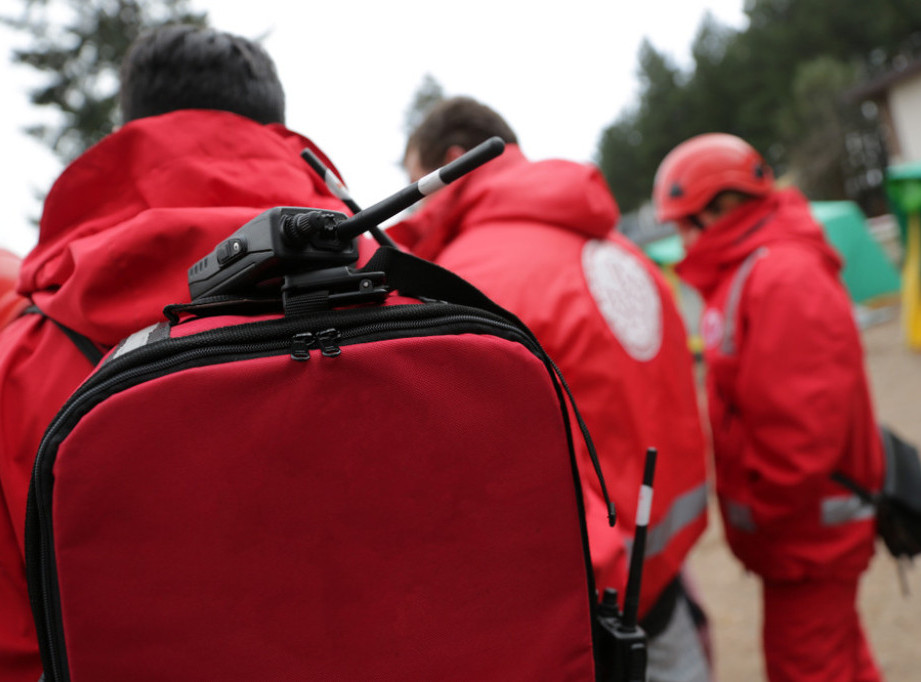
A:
431, 183
337, 187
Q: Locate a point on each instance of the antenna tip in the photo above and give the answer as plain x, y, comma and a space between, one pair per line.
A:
495, 144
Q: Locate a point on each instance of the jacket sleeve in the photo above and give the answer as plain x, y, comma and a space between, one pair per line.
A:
800, 368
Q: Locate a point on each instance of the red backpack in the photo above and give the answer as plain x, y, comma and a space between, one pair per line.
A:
370, 477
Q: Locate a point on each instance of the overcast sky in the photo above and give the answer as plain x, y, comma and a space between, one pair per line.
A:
350, 69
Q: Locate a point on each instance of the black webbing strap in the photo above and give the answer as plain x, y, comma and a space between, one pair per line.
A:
83, 343
412, 276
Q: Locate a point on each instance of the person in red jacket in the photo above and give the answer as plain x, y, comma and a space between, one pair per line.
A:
538, 238
202, 151
788, 400
11, 303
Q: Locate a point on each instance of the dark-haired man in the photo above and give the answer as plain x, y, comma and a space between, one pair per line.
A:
538, 238
202, 151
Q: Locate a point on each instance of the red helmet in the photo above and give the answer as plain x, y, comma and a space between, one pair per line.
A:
700, 168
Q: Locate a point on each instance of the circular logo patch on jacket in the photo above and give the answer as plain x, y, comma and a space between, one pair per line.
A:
711, 328
626, 296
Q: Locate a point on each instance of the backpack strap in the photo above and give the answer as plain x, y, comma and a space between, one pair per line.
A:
83, 343
413, 276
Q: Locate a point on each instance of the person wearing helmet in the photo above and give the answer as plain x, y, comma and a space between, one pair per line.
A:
788, 400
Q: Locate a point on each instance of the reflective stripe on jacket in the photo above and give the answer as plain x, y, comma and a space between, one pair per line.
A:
11, 303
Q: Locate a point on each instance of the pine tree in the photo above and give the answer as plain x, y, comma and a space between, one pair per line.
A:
427, 95
780, 83
78, 45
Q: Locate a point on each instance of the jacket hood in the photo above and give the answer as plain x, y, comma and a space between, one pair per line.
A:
123, 223
564, 194
780, 217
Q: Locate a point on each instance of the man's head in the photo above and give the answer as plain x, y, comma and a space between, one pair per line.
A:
185, 67
452, 127
706, 177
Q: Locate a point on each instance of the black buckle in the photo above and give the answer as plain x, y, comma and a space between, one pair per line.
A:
332, 287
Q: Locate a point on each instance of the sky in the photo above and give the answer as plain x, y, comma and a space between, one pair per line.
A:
559, 73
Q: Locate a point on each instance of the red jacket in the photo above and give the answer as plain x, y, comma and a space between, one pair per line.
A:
119, 230
11, 303
788, 397
537, 238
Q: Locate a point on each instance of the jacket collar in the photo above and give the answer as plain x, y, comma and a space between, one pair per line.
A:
511, 189
781, 216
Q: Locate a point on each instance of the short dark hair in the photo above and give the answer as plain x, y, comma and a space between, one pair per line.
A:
460, 121
186, 67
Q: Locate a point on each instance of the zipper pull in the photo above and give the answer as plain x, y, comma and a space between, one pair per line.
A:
301, 345
328, 341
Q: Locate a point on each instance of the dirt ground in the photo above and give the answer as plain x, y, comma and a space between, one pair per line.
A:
891, 619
